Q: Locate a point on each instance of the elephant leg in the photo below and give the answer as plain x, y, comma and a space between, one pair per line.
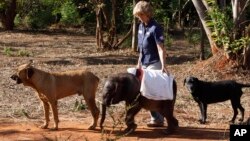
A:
171, 120
132, 110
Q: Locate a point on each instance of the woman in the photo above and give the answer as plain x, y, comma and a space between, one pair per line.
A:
151, 48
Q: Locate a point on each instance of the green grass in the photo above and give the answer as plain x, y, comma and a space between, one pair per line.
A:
8, 51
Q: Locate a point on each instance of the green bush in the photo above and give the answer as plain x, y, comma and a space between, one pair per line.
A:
40, 17
18, 20
193, 37
70, 15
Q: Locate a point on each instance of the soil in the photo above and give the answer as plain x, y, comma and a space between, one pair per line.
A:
21, 112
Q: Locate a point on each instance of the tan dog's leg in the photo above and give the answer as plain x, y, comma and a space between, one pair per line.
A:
94, 112
46, 114
53, 106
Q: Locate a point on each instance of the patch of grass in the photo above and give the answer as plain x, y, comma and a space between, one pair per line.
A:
8, 51
23, 53
117, 123
21, 113
193, 38
127, 43
168, 41
79, 106
11, 52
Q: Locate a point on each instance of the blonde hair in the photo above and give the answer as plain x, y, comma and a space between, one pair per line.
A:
143, 7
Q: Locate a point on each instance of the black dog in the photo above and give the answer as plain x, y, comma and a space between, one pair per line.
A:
211, 92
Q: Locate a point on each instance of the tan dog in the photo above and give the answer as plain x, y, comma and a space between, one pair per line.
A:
53, 86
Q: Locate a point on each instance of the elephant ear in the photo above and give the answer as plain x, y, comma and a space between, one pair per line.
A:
119, 89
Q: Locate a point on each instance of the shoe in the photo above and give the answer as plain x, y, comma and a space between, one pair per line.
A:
155, 124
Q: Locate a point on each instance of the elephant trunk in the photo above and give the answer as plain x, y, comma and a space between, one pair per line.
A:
103, 115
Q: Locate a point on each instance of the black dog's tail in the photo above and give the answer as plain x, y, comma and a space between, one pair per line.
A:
243, 85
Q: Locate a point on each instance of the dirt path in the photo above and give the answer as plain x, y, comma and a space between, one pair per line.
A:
77, 131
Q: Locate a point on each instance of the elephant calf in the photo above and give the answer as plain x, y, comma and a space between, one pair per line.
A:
126, 87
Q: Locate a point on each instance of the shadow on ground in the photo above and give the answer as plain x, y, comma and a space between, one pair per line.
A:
182, 133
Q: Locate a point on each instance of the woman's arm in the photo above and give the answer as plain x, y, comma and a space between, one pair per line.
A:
162, 55
139, 61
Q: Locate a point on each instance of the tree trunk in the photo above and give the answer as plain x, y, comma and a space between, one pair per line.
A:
235, 4
238, 9
202, 44
201, 9
246, 61
101, 10
235, 11
246, 53
134, 31
114, 38
97, 29
106, 36
222, 4
8, 15
124, 38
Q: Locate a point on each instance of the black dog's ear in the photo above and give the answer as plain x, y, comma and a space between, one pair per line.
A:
196, 79
29, 72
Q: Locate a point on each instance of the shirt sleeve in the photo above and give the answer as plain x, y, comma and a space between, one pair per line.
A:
159, 35
139, 36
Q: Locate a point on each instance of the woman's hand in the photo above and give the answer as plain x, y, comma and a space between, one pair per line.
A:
138, 66
164, 69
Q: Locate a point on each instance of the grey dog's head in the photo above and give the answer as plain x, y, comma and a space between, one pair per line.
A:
191, 83
23, 74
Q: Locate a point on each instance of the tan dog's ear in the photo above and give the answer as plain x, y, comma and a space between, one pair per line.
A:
30, 62
29, 72
184, 82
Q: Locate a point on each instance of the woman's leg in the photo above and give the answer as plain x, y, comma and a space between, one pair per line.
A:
157, 120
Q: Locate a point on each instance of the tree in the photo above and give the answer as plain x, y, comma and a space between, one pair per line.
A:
8, 13
134, 31
201, 8
106, 30
224, 30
